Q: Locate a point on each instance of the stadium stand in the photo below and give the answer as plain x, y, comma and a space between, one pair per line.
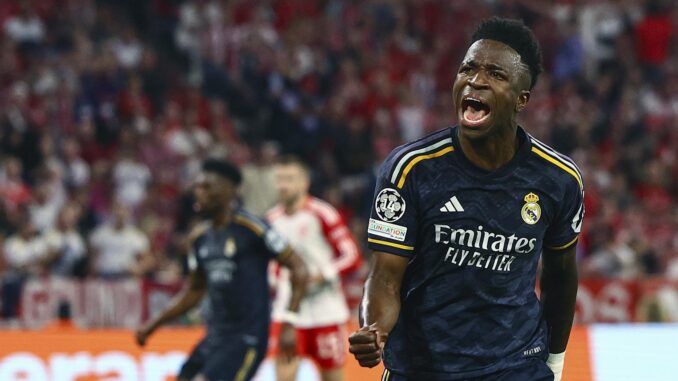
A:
107, 103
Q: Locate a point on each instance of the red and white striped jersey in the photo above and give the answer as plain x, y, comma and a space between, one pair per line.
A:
319, 235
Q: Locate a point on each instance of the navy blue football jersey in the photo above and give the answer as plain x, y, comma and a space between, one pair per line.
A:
473, 239
234, 261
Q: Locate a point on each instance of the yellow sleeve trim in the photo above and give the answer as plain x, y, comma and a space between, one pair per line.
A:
565, 246
560, 165
398, 246
250, 356
417, 159
285, 254
256, 228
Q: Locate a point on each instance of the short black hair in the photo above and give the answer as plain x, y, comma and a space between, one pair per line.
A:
518, 36
224, 169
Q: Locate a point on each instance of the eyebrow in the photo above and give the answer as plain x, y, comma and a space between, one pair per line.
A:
488, 66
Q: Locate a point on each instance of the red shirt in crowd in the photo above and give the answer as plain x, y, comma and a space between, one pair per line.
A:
653, 37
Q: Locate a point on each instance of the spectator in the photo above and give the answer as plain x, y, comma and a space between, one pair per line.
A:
76, 169
25, 251
120, 249
12, 187
128, 49
65, 246
26, 27
569, 60
134, 106
47, 200
191, 138
653, 35
131, 179
25, 255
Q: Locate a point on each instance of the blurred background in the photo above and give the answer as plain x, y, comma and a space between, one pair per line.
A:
108, 107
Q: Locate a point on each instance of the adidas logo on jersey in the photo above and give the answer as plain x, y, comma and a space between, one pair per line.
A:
452, 205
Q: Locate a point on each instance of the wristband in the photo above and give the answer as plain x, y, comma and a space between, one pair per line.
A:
290, 317
556, 362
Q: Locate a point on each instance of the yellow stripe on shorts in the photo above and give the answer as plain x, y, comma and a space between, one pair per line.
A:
246, 364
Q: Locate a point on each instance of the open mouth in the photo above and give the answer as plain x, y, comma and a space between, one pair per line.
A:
474, 110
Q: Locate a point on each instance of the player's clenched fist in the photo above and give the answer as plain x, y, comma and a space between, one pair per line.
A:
366, 345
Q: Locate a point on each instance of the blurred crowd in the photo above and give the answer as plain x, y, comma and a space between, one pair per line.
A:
108, 107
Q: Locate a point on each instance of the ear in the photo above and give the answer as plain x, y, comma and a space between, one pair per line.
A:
523, 98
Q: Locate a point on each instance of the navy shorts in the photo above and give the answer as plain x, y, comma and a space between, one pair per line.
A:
225, 359
536, 371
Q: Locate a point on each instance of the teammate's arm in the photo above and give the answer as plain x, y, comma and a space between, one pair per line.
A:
559, 282
379, 309
298, 279
187, 298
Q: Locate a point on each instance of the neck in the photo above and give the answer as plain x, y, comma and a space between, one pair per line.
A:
223, 218
492, 152
294, 205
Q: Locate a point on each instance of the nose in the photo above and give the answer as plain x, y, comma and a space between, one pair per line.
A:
478, 80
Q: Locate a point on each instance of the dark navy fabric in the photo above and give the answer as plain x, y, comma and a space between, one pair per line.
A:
224, 360
473, 238
534, 371
234, 261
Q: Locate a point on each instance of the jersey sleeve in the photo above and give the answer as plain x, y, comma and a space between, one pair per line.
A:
276, 245
347, 256
194, 240
564, 230
392, 227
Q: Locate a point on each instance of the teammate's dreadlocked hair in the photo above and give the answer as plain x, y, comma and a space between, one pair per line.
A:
516, 35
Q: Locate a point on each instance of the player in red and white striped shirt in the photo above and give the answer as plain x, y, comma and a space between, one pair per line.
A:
319, 235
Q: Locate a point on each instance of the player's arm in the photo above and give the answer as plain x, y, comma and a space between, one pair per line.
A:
188, 297
379, 309
559, 282
298, 279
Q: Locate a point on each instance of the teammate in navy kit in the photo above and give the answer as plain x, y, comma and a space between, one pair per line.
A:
228, 261
460, 220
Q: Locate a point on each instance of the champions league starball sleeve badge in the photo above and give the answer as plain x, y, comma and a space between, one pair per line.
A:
389, 205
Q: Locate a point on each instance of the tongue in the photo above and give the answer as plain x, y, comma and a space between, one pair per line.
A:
474, 115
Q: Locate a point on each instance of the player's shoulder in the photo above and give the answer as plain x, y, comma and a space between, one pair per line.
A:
403, 158
198, 231
323, 209
560, 167
250, 222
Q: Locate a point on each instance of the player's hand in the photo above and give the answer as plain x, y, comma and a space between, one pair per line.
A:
288, 342
316, 280
367, 345
315, 284
142, 333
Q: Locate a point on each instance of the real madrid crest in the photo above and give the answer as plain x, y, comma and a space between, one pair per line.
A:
229, 247
531, 211
389, 205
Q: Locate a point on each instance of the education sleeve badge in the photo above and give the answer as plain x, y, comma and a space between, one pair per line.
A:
531, 211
